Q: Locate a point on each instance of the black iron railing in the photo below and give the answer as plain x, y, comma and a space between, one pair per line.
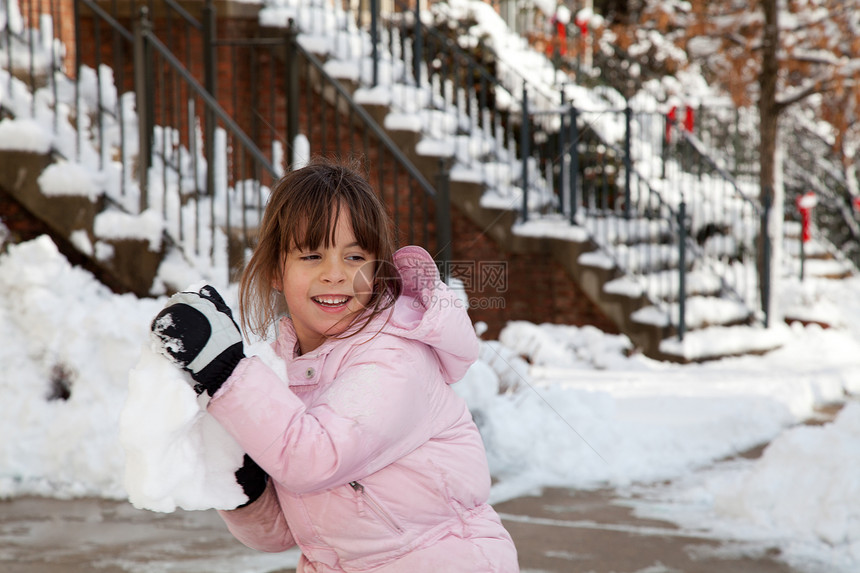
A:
599, 162
139, 105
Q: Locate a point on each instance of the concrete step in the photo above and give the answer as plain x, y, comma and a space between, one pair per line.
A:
699, 312
125, 264
722, 341
615, 230
665, 285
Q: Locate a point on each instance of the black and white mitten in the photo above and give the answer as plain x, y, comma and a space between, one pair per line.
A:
197, 331
252, 478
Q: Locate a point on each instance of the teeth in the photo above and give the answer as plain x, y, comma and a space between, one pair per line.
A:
331, 300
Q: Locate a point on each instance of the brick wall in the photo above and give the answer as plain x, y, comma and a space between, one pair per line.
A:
501, 286
535, 288
62, 13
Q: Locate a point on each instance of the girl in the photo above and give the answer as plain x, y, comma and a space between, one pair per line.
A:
370, 461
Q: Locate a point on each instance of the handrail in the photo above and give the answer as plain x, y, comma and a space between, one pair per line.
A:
695, 142
371, 123
108, 19
185, 14
450, 44
611, 164
210, 101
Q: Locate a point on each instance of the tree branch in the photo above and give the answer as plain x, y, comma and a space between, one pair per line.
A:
817, 85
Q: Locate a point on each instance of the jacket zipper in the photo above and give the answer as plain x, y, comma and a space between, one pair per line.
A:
375, 507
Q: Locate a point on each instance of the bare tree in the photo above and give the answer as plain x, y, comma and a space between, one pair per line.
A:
796, 61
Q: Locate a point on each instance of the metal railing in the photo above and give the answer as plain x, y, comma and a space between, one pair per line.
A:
295, 104
235, 181
538, 153
649, 217
596, 168
418, 209
194, 165
141, 84
814, 168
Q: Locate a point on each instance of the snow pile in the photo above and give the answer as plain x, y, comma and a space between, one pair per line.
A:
24, 135
556, 405
820, 498
67, 178
177, 454
67, 345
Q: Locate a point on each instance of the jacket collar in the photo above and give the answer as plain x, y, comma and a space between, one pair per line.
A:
302, 370
427, 311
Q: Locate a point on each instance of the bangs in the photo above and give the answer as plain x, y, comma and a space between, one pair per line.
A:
315, 228
313, 218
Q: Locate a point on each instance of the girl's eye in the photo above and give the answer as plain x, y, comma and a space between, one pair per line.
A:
309, 257
356, 257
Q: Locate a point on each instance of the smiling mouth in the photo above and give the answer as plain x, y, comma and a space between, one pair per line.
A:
330, 301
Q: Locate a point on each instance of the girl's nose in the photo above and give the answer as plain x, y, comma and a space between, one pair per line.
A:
333, 272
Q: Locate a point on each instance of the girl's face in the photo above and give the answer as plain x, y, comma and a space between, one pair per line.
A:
327, 288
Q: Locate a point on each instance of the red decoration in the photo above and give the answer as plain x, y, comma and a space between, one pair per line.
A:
689, 121
561, 32
805, 203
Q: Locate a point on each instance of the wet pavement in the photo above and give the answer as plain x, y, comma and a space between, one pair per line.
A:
566, 531
561, 531
40, 535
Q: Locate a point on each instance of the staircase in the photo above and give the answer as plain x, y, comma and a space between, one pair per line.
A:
619, 241
620, 235
186, 203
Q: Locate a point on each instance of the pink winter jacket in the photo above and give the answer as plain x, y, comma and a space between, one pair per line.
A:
375, 463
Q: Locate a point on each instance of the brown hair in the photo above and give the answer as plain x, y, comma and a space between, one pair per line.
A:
303, 212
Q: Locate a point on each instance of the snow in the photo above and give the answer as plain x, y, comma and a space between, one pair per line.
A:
115, 224
24, 135
828, 502
582, 414
596, 259
183, 458
67, 178
549, 227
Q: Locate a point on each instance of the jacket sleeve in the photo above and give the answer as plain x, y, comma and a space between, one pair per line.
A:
260, 525
385, 402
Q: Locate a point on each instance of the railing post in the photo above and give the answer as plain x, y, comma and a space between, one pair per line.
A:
524, 152
210, 82
802, 256
31, 57
737, 145
574, 164
78, 62
418, 45
443, 216
665, 141
292, 90
701, 162
374, 40
143, 97
682, 270
486, 114
628, 163
9, 54
563, 179
100, 124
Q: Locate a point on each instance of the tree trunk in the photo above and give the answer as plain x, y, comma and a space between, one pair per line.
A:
768, 125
